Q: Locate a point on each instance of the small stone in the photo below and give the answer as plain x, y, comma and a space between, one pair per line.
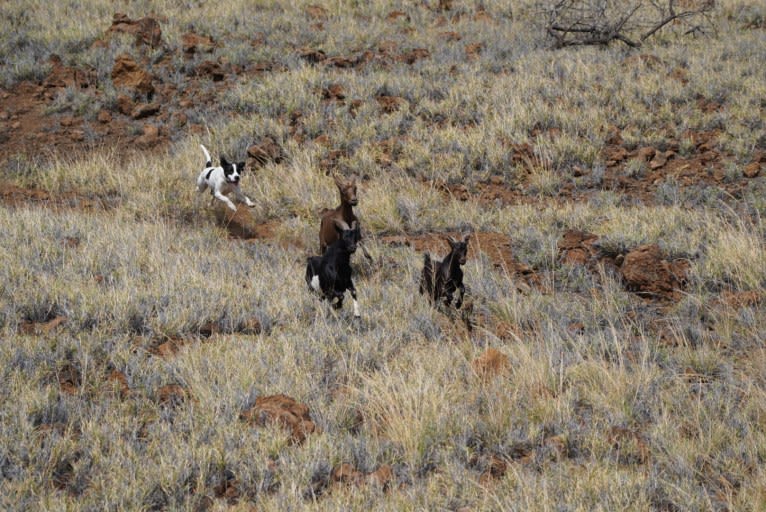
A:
752, 170
104, 117
146, 110
646, 153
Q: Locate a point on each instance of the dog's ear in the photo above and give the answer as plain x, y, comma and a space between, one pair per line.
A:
240, 166
224, 162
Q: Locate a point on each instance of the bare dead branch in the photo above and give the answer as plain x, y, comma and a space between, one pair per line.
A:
599, 22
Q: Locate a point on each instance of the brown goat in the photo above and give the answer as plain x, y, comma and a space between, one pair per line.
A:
342, 217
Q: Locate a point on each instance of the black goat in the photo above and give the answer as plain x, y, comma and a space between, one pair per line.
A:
441, 279
330, 274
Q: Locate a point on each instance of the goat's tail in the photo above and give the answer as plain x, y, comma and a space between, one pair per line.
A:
208, 161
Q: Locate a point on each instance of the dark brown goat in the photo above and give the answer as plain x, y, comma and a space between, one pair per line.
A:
441, 279
342, 217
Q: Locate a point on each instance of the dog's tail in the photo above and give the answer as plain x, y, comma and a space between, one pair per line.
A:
208, 161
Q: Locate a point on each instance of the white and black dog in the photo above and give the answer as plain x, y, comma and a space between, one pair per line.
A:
222, 180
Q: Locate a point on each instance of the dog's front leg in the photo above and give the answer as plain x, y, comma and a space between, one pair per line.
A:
242, 198
226, 200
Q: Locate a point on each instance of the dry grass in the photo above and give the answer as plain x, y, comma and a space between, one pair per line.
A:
643, 406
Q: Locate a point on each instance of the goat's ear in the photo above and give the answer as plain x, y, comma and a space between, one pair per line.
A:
466, 238
451, 241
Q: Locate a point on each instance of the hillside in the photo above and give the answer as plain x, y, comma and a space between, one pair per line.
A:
161, 352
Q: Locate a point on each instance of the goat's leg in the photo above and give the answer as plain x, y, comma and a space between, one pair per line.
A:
461, 292
353, 296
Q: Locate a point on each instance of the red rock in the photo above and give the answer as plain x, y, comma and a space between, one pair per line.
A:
658, 161
381, 477
150, 137
265, 150
752, 170
316, 12
104, 117
312, 55
146, 30
414, 55
128, 74
194, 43
576, 247
645, 154
124, 104
450, 36
145, 110
491, 363
334, 92
172, 394
346, 474
42, 327
65, 76
283, 410
211, 69
473, 50
645, 271
391, 103
120, 383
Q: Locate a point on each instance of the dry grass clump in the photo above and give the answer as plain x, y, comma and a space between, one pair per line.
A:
137, 330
